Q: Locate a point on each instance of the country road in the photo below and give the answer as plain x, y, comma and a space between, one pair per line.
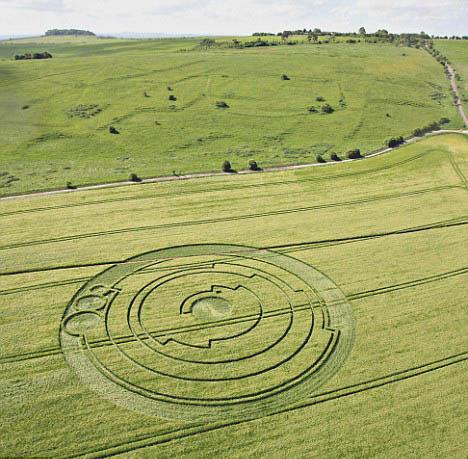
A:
458, 101
172, 178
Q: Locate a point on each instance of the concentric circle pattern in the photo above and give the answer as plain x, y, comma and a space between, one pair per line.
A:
204, 332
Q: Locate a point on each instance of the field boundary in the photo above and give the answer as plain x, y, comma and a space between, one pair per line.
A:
173, 178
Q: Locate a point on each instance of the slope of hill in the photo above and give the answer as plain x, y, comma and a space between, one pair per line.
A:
56, 115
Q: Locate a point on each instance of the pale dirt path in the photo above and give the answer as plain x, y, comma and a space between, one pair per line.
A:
458, 102
173, 178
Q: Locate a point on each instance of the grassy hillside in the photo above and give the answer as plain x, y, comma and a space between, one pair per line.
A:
56, 114
388, 233
457, 53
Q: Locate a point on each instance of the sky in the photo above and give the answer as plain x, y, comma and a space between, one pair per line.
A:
233, 17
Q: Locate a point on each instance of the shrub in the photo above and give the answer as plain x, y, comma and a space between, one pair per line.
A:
395, 141
285, 77
134, 178
354, 154
227, 166
24, 107
312, 109
327, 108
169, 88
444, 121
320, 159
253, 166
418, 132
70, 186
335, 157
320, 99
221, 104
172, 97
112, 130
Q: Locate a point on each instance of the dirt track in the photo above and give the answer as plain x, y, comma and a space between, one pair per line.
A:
458, 102
172, 178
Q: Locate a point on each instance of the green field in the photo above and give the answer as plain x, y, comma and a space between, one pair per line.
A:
457, 53
360, 267
55, 114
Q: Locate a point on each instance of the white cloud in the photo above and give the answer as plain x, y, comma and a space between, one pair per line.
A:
232, 16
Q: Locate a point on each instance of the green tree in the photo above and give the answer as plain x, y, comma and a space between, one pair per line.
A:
362, 31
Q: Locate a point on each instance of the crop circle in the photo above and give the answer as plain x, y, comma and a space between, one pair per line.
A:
209, 331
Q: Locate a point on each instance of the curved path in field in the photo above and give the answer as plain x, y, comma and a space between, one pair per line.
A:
173, 178
458, 101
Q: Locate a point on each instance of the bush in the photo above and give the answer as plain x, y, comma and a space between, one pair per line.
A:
24, 107
134, 178
312, 109
253, 166
335, 157
112, 130
354, 154
419, 132
169, 88
221, 104
320, 159
227, 166
327, 108
172, 97
27, 56
320, 99
70, 186
395, 141
285, 77
444, 121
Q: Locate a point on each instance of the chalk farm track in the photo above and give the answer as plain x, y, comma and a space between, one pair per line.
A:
316, 312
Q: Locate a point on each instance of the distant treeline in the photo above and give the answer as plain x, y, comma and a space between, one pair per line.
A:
68, 32
27, 56
361, 33
317, 36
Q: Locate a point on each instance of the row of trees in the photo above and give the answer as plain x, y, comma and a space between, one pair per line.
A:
27, 56
72, 32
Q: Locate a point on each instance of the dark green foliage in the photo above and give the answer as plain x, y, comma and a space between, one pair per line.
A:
354, 154
253, 166
435, 126
227, 166
70, 186
395, 141
28, 56
327, 108
335, 157
172, 97
134, 178
221, 104
320, 159
444, 121
24, 107
73, 32
207, 43
320, 99
113, 130
285, 77
312, 109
